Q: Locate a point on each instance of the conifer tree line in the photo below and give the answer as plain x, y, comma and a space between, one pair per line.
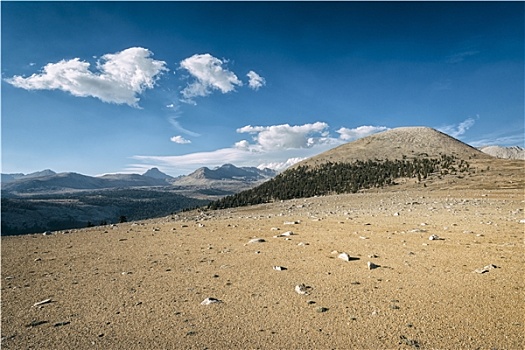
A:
336, 178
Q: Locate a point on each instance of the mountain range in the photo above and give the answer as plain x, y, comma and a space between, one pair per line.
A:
48, 181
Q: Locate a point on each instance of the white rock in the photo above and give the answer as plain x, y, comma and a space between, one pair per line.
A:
210, 300
344, 256
279, 268
486, 268
256, 240
284, 234
434, 238
291, 222
522, 221
302, 289
45, 301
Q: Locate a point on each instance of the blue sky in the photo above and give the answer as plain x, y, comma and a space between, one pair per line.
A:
104, 87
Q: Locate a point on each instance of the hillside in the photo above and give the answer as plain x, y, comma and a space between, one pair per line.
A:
408, 142
417, 156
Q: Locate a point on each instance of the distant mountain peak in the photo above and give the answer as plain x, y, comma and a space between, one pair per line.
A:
512, 152
157, 174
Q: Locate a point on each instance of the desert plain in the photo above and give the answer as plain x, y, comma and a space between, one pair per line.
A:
141, 285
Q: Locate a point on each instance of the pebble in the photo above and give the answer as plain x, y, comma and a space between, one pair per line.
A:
284, 234
256, 240
434, 238
291, 222
486, 268
45, 301
372, 266
279, 268
302, 289
344, 256
210, 300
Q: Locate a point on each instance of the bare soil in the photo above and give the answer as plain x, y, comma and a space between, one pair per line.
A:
140, 285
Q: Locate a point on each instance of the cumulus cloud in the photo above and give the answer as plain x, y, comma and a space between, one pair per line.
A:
180, 140
359, 132
279, 166
210, 74
456, 130
121, 76
285, 136
256, 81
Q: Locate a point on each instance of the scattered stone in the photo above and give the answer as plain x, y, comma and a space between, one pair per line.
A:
302, 289
47, 233
279, 268
486, 268
256, 240
291, 222
45, 301
274, 229
435, 238
522, 221
284, 234
302, 244
396, 214
372, 266
344, 256
310, 302
322, 309
209, 301
60, 324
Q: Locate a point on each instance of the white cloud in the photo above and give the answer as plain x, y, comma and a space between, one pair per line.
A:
281, 137
180, 140
121, 76
209, 74
256, 81
280, 166
359, 132
456, 130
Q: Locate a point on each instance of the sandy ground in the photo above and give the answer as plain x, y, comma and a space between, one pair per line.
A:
140, 285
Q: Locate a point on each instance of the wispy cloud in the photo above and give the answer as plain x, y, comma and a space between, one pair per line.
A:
457, 130
256, 81
180, 140
461, 56
210, 74
359, 132
120, 79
